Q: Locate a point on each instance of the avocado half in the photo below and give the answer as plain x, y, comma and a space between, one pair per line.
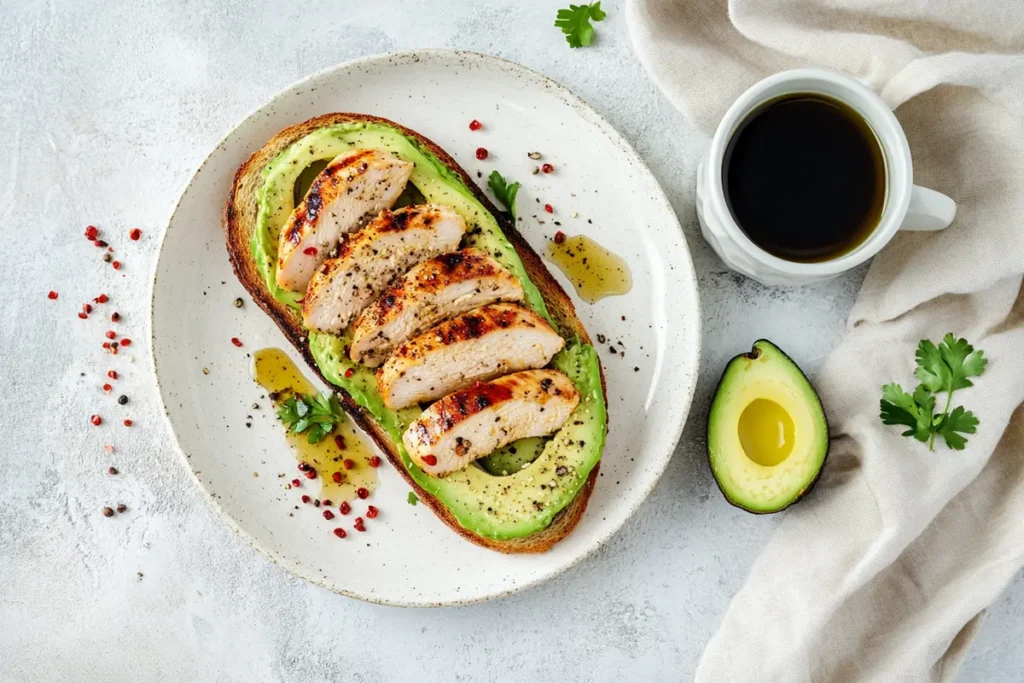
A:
767, 432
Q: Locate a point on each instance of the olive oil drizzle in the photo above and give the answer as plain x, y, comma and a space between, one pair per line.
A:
594, 271
274, 371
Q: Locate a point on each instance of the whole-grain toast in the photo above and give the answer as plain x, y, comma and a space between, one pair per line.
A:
239, 222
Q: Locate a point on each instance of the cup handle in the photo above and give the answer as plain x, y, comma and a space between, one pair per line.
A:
929, 210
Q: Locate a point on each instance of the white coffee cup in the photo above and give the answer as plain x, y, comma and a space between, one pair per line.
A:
906, 207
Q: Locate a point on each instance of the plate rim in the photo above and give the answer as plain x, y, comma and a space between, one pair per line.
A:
692, 358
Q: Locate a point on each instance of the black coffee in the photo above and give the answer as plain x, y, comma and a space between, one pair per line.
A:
804, 177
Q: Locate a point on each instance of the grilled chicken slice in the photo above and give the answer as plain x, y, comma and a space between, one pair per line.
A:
371, 259
435, 290
351, 190
473, 347
474, 422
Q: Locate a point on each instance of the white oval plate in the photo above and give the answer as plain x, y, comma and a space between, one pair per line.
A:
407, 556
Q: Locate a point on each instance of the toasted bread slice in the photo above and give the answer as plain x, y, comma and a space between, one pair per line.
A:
239, 223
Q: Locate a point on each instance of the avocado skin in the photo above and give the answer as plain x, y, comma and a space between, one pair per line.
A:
757, 349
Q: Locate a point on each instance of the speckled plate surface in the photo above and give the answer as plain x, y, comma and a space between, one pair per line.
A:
407, 556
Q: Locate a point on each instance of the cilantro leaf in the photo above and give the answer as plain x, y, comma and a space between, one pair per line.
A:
947, 366
959, 420
897, 406
943, 368
504, 191
286, 411
412, 498
575, 23
963, 361
932, 371
316, 415
925, 401
914, 411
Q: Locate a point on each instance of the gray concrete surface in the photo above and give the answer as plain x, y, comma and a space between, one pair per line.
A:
106, 109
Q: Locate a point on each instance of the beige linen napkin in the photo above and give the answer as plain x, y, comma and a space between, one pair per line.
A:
883, 572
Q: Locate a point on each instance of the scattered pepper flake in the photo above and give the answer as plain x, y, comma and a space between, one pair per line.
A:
310, 251
349, 372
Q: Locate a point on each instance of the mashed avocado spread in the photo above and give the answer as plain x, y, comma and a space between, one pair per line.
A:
498, 507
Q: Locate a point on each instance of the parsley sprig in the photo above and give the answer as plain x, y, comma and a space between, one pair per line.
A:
504, 191
314, 415
943, 368
575, 23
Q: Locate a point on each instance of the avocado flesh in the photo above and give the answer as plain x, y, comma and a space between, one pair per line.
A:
767, 432
500, 508
510, 459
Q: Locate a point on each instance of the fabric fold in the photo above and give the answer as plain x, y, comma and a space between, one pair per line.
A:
883, 572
